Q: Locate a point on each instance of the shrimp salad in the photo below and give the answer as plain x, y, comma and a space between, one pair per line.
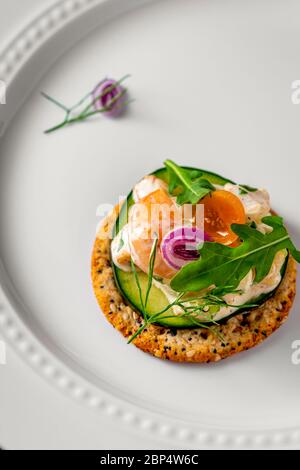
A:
167, 214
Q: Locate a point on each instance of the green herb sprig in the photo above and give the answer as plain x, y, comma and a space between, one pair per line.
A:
71, 117
189, 312
208, 304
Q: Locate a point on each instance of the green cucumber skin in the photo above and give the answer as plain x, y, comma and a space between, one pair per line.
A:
179, 323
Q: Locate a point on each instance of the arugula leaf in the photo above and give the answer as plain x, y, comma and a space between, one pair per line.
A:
221, 265
189, 186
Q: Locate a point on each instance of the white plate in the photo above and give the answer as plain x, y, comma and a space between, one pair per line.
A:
212, 83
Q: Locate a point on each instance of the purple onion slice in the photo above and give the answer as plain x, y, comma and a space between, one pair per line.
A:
105, 96
179, 246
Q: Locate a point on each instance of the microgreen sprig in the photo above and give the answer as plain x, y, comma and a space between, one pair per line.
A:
90, 109
211, 299
151, 269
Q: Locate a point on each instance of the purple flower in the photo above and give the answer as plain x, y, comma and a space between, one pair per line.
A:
110, 95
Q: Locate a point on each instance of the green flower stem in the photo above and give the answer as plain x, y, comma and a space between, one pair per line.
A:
80, 118
54, 101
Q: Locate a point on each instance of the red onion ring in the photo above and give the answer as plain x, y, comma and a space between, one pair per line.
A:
180, 246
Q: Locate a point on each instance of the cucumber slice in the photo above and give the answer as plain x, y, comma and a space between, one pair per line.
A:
157, 299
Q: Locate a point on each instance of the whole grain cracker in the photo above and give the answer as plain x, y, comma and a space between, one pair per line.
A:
240, 333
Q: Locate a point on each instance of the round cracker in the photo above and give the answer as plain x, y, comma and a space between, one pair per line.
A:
239, 333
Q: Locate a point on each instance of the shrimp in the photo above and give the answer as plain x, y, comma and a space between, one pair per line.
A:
153, 217
147, 185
